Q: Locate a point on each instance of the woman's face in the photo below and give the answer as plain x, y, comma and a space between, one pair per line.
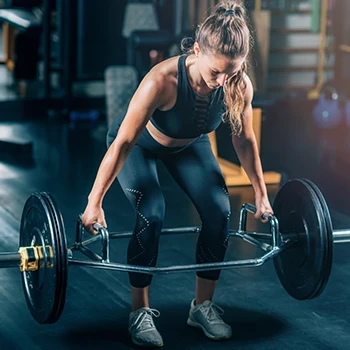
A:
216, 69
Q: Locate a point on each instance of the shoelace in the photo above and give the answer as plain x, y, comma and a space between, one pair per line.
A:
144, 320
212, 312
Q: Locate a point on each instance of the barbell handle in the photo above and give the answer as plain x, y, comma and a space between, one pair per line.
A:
252, 209
105, 240
267, 216
97, 226
274, 226
103, 233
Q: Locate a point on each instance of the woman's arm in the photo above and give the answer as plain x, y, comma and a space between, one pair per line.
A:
152, 93
146, 99
248, 153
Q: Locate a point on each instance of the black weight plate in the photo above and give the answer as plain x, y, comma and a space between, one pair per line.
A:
329, 234
301, 267
62, 243
43, 288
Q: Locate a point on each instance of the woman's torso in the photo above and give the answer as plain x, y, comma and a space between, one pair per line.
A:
191, 110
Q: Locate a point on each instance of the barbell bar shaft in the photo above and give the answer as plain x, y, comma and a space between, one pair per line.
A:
179, 268
341, 236
13, 259
10, 260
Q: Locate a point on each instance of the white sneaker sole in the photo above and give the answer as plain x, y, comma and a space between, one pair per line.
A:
146, 345
210, 336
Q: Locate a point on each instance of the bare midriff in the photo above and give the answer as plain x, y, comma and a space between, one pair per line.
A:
166, 140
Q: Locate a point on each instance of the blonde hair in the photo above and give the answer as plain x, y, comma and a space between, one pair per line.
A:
226, 32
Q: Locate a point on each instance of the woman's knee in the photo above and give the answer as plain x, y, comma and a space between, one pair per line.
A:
143, 245
217, 212
149, 219
148, 228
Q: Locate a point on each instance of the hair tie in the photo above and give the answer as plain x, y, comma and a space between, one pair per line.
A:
230, 13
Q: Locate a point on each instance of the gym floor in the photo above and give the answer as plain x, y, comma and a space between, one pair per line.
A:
262, 314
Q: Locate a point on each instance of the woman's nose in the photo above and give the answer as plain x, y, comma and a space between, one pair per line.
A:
222, 79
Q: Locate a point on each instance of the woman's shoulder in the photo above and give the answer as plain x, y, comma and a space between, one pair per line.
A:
166, 67
165, 72
246, 80
247, 85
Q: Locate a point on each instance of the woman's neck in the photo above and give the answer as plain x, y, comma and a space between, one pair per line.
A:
195, 79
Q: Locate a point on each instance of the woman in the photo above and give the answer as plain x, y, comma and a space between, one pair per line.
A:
175, 106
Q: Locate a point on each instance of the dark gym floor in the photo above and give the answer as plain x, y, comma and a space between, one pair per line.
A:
262, 314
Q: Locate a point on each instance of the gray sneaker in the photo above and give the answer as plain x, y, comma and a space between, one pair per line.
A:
206, 316
142, 329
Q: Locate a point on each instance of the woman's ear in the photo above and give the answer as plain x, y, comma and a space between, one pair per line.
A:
196, 49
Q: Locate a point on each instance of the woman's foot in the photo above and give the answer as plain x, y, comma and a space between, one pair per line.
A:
142, 329
206, 316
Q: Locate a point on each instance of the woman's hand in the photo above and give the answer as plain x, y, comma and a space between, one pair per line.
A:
263, 206
93, 214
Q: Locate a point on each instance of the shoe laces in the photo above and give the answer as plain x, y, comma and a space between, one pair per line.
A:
144, 320
212, 312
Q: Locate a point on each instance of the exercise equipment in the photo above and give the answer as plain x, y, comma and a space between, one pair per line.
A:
300, 242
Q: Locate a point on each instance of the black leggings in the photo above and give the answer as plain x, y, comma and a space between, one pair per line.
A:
195, 169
